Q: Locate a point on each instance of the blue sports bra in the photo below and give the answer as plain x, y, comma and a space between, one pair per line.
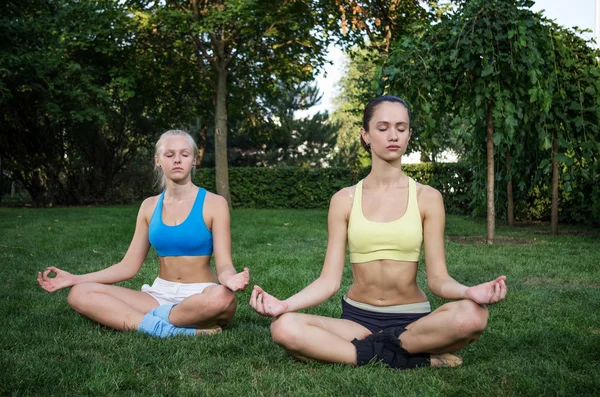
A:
189, 238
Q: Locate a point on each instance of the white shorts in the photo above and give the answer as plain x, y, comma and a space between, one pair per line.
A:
170, 292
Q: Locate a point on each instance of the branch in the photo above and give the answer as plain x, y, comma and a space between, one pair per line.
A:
202, 49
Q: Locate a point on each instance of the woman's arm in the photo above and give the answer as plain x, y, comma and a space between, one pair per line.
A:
221, 231
124, 270
329, 281
438, 280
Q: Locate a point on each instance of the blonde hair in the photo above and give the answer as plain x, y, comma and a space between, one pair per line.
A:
159, 176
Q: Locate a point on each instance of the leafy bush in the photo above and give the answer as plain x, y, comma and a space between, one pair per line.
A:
291, 187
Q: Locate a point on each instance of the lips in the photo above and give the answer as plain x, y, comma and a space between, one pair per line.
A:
177, 169
393, 147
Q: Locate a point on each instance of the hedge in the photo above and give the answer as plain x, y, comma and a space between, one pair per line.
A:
291, 187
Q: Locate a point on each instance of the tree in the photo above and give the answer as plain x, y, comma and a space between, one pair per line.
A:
358, 85
486, 63
280, 138
80, 96
571, 127
253, 45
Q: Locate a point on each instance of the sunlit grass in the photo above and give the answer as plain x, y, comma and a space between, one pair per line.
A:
543, 340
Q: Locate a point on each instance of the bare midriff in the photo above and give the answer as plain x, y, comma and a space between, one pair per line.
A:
386, 283
187, 269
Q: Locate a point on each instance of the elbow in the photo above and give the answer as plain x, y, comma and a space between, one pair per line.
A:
130, 276
128, 271
434, 286
332, 286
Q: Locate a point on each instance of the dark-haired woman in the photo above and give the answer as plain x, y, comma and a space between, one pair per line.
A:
384, 219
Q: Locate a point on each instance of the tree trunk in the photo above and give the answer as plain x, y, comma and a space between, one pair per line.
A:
490, 173
222, 172
509, 192
554, 216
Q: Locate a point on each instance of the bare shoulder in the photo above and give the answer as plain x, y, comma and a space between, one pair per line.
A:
429, 198
148, 205
341, 201
343, 195
216, 203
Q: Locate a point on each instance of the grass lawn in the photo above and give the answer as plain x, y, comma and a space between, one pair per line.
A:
543, 340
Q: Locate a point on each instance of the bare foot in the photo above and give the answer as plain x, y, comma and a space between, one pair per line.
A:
445, 360
209, 331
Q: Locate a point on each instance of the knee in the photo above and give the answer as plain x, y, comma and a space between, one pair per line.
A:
285, 331
471, 319
222, 299
79, 295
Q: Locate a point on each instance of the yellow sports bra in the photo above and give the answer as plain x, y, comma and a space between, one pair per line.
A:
398, 240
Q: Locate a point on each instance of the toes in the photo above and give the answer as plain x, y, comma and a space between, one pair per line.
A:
209, 331
446, 360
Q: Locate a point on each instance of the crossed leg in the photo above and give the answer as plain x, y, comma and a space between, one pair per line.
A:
321, 338
445, 330
124, 309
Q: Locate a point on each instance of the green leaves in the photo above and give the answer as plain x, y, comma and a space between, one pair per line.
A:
489, 69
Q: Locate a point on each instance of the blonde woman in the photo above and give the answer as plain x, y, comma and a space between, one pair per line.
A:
186, 225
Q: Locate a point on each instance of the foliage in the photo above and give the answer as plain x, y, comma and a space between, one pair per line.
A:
293, 187
358, 85
573, 123
250, 45
279, 137
376, 24
483, 64
79, 97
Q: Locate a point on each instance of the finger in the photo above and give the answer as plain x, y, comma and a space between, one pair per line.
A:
496, 296
257, 288
501, 287
52, 269
259, 304
246, 270
263, 306
46, 273
504, 290
253, 299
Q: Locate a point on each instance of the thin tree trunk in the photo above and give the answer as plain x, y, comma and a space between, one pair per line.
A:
509, 191
222, 172
490, 173
201, 146
554, 216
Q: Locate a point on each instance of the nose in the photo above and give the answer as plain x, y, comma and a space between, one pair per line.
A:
393, 135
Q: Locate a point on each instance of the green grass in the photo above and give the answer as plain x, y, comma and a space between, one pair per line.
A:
543, 340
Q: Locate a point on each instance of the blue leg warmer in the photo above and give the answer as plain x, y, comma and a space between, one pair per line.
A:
156, 326
162, 311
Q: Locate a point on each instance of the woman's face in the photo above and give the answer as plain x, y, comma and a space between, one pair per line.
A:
389, 131
176, 158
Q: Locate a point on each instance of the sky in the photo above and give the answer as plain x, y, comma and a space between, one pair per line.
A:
564, 12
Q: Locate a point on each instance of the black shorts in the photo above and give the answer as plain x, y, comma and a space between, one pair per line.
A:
375, 321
